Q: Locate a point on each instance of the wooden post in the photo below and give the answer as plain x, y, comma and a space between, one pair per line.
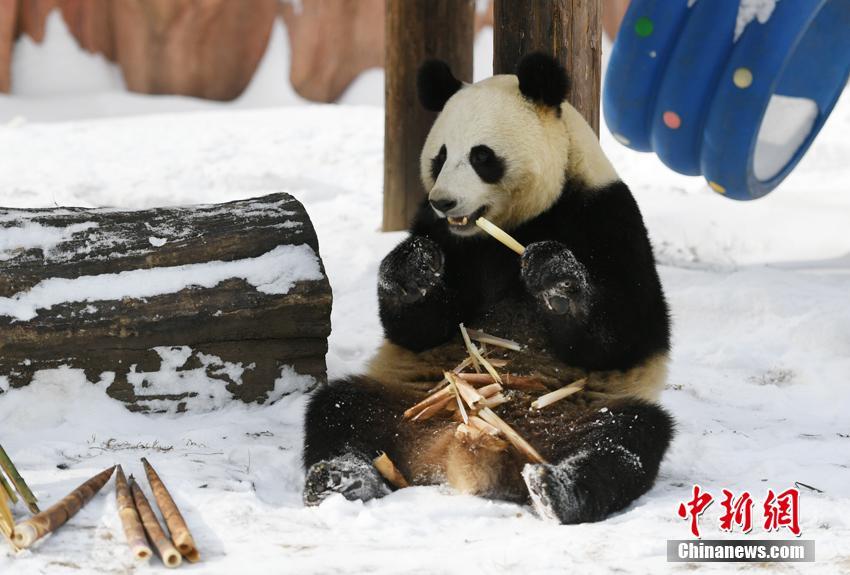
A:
415, 31
570, 30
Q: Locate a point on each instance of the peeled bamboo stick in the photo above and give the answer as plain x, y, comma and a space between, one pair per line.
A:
482, 337
7, 489
521, 444
18, 481
387, 468
169, 554
499, 234
559, 394
437, 397
461, 409
483, 426
130, 521
489, 390
468, 393
493, 401
477, 355
433, 409
180, 533
50, 519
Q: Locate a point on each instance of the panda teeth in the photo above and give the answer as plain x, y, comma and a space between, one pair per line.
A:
459, 221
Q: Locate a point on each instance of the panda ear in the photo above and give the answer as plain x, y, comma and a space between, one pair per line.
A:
436, 84
542, 79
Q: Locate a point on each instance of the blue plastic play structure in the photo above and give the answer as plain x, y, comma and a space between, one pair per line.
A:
684, 83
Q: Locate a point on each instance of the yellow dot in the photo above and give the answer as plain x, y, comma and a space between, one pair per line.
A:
717, 187
742, 77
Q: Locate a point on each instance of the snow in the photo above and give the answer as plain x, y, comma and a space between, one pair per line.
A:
786, 124
274, 272
36, 236
758, 380
750, 10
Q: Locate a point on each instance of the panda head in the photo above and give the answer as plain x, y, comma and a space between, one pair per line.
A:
500, 147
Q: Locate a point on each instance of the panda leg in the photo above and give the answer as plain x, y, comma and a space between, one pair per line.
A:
347, 423
609, 459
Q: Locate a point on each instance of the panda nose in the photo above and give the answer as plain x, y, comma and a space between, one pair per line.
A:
443, 205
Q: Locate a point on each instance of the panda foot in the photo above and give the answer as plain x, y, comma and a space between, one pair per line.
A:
351, 475
554, 495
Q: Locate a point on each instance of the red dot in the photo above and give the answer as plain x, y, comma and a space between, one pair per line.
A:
671, 120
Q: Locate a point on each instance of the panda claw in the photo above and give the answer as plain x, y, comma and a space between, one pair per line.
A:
351, 475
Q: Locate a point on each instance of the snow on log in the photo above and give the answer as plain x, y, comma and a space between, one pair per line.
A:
170, 308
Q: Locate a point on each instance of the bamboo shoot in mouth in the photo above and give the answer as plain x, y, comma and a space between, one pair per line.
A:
500, 234
36, 527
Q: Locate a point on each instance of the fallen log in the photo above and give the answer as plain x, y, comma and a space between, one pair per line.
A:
149, 300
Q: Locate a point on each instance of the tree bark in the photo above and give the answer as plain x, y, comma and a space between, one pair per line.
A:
232, 321
570, 30
416, 30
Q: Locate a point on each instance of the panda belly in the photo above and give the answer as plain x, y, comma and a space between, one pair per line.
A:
431, 452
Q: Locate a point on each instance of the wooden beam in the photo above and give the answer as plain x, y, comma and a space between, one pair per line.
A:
570, 30
238, 333
415, 31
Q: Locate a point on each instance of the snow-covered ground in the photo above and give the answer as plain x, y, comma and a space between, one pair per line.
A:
760, 295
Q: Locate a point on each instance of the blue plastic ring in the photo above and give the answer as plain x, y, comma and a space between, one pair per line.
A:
700, 99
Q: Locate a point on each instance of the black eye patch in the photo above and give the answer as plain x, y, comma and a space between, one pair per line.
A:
437, 162
489, 167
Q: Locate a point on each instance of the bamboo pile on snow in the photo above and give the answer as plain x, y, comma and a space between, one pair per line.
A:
130, 520
169, 554
12, 472
36, 527
7, 522
180, 534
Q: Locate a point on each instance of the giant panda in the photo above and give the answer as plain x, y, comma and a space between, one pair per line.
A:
585, 299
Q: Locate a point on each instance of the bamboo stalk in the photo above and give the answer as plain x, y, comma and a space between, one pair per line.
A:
387, 468
180, 533
559, 394
7, 522
7, 489
169, 554
18, 481
482, 337
130, 521
511, 435
50, 519
477, 355
499, 234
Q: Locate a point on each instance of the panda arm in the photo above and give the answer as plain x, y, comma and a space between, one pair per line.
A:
614, 314
418, 308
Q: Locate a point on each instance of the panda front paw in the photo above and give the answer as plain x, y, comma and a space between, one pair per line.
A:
411, 271
555, 278
351, 475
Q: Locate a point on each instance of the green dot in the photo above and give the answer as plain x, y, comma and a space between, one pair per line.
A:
643, 27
